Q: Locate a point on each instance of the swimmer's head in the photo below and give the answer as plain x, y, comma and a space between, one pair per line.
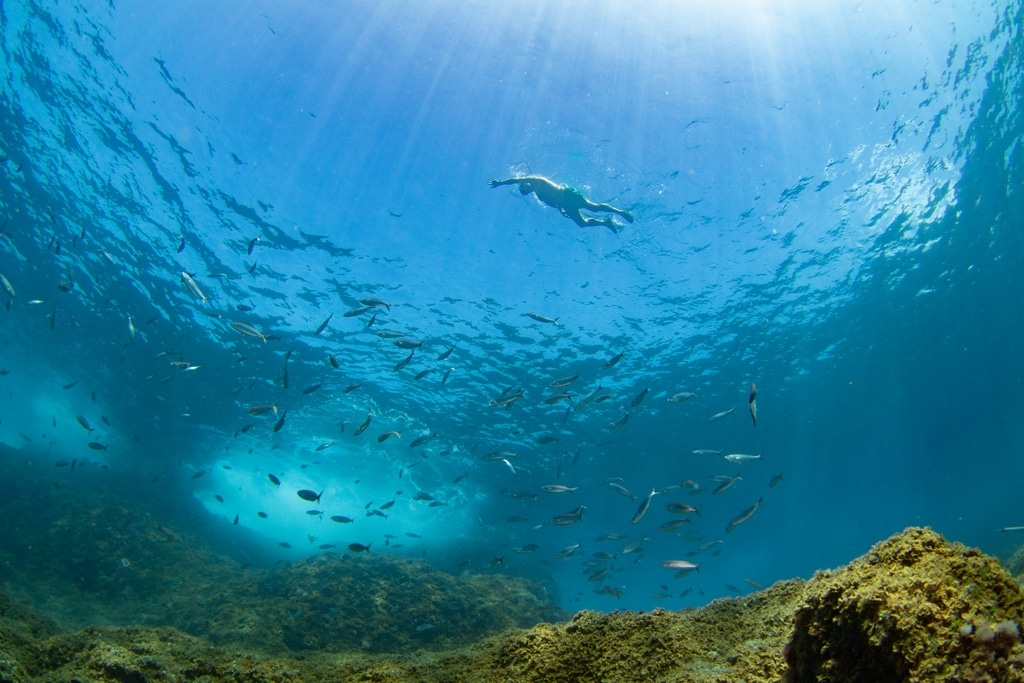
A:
525, 187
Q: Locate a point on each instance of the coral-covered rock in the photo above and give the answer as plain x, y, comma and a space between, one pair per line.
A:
915, 608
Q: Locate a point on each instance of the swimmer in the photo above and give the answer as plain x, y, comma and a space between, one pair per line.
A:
568, 200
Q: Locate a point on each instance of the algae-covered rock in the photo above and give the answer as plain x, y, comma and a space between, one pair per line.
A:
915, 608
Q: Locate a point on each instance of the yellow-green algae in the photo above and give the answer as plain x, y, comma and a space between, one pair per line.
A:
915, 608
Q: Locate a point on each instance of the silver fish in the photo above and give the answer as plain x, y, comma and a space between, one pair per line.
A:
721, 416
542, 318
621, 422
558, 488
639, 398
645, 505
744, 516
405, 361
190, 284
323, 325
373, 301
726, 484
563, 382
611, 363
352, 313
248, 330
681, 397
740, 458
362, 428
585, 401
680, 565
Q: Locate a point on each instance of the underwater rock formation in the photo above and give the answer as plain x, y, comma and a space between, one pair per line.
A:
915, 608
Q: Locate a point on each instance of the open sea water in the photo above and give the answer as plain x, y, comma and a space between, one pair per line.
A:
828, 203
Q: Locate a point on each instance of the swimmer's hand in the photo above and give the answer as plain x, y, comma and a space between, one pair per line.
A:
493, 183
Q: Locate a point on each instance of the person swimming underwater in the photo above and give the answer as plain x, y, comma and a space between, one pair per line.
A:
569, 201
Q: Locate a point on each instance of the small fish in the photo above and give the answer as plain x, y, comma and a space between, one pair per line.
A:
1012, 529
680, 565
558, 488
621, 422
285, 544
356, 311
387, 435
422, 628
437, 504
323, 325
261, 409
8, 287
744, 516
681, 508
459, 478
406, 343
324, 446
726, 484
706, 451
373, 301
422, 373
775, 481
375, 513
351, 387
752, 402
639, 398
422, 495
200, 474
673, 524
181, 243
611, 537
681, 397
84, 422
311, 388
333, 361
192, 286
366, 423
97, 446
405, 361
542, 318
564, 382
444, 355
634, 546
131, 328
326, 546
444, 379
645, 504
568, 518
248, 330
219, 498
279, 425
262, 515
721, 416
234, 523
252, 245
612, 363
309, 496
567, 551
412, 535
740, 458
622, 490
341, 519
388, 504
547, 439
527, 549
426, 438
359, 547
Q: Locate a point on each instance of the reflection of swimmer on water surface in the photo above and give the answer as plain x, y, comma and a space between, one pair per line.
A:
568, 200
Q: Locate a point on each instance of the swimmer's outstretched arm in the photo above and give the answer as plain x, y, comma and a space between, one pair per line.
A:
507, 181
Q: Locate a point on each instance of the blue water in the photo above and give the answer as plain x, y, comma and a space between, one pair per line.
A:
828, 203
